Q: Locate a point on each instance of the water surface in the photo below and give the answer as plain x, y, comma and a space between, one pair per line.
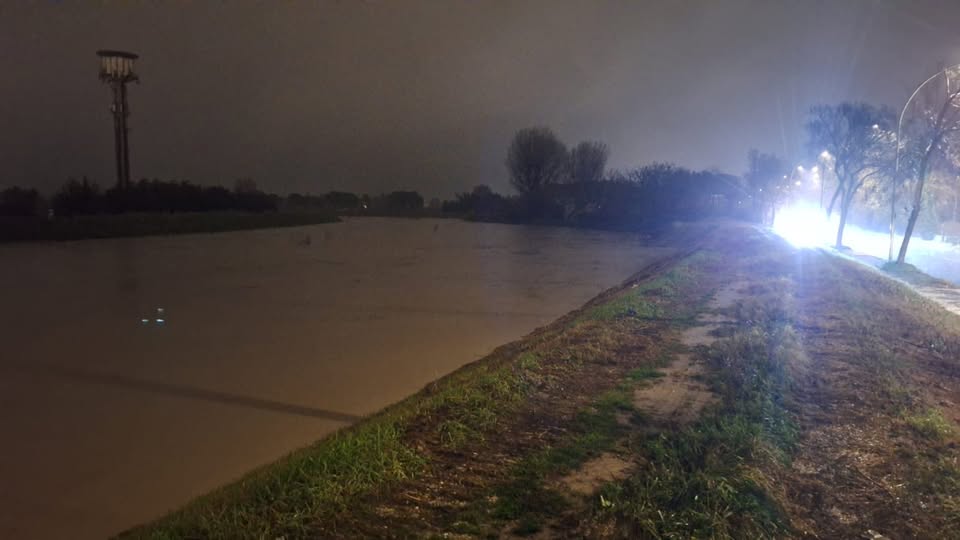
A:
138, 373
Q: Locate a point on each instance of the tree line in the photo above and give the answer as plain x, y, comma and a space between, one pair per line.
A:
555, 184
85, 197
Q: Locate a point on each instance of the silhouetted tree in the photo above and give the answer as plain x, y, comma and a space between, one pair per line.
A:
480, 204
930, 134
857, 136
587, 161
245, 185
765, 183
536, 158
19, 202
341, 200
78, 197
404, 201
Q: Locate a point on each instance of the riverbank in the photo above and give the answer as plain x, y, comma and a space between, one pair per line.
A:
741, 388
126, 225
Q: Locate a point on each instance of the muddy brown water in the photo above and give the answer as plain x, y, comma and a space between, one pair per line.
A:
140, 373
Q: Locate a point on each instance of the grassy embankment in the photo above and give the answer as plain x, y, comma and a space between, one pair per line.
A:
122, 225
832, 412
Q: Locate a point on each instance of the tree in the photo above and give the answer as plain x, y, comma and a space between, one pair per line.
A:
19, 202
765, 184
75, 198
342, 200
588, 161
536, 158
245, 185
929, 135
404, 201
857, 136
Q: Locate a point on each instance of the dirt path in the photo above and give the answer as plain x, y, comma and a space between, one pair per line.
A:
675, 398
681, 394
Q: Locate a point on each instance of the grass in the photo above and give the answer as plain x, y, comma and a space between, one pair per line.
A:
289, 497
930, 423
285, 498
715, 478
711, 479
643, 300
630, 304
471, 410
525, 498
644, 374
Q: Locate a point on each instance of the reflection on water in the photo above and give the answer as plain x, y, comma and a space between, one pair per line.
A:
160, 318
170, 365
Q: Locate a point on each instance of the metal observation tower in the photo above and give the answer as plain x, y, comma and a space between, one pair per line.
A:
116, 70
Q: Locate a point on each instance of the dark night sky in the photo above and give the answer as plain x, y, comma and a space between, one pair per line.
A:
380, 95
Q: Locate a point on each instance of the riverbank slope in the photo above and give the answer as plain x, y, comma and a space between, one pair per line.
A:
742, 388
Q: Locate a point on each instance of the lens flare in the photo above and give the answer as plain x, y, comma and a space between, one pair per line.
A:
803, 225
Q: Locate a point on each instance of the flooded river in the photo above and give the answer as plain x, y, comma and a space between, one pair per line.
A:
139, 373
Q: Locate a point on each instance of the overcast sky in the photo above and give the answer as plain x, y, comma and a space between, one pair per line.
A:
373, 96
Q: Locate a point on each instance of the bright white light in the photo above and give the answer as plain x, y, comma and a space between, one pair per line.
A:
797, 183
799, 168
815, 169
824, 155
803, 225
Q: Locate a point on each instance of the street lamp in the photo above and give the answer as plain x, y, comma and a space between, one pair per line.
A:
896, 167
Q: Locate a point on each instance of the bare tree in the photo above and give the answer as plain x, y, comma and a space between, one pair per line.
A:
588, 161
766, 183
859, 140
929, 134
536, 158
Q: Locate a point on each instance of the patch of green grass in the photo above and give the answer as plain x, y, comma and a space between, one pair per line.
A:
951, 514
629, 304
935, 478
471, 410
710, 480
454, 433
931, 424
637, 301
287, 497
525, 498
313, 484
895, 395
641, 301
614, 400
644, 374
528, 361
